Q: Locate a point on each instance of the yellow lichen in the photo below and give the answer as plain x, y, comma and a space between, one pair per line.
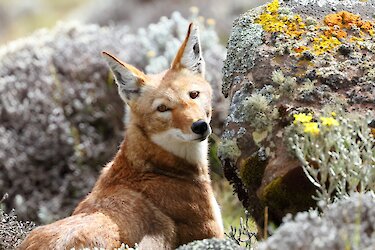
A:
324, 43
273, 7
271, 21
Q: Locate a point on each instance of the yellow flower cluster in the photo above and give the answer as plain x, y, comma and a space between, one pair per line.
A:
302, 118
329, 121
312, 128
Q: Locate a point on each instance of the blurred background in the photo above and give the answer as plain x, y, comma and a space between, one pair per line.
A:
19, 17
60, 115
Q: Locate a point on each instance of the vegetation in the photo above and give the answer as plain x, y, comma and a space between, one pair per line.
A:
61, 118
337, 153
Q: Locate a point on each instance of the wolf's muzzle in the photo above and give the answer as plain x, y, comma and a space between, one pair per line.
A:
200, 127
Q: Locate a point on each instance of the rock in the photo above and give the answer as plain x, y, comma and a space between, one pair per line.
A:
287, 58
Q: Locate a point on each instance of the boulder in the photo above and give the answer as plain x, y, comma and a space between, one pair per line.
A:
285, 60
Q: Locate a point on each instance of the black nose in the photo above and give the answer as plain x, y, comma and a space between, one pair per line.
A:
199, 127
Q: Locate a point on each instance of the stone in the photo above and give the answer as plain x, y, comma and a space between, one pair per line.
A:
287, 58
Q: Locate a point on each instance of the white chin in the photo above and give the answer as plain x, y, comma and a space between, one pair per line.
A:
192, 147
178, 135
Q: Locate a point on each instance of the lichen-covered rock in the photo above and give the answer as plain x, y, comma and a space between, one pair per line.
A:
288, 58
346, 224
211, 244
61, 118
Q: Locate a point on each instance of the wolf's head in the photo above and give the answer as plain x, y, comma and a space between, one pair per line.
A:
172, 108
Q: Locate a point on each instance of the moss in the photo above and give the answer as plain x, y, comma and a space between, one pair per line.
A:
274, 194
252, 169
290, 193
251, 173
215, 164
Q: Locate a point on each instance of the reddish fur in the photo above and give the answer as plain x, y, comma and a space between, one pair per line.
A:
176, 65
146, 195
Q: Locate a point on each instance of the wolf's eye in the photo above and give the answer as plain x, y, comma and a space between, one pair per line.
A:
162, 108
194, 94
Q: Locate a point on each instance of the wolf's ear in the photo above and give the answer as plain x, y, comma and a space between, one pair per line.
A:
129, 79
189, 55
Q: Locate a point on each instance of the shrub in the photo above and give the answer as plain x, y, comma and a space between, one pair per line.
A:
346, 224
338, 154
12, 231
60, 118
211, 244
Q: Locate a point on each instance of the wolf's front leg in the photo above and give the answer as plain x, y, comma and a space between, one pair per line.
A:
161, 233
157, 242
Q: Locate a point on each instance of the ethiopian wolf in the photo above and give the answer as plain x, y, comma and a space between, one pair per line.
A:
157, 190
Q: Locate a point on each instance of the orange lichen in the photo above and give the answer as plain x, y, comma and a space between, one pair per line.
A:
336, 33
346, 20
300, 49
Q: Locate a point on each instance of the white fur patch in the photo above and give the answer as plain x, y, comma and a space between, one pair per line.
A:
192, 57
217, 213
182, 145
154, 106
128, 113
126, 80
